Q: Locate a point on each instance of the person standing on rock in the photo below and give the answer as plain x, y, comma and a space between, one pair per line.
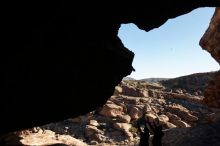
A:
158, 133
144, 136
155, 128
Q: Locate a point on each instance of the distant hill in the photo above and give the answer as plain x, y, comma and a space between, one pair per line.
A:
191, 83
153, 80
128, 78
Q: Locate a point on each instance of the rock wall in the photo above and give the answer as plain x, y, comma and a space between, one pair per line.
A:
56, 55
212, 92
202, 135
211, 42
211, 39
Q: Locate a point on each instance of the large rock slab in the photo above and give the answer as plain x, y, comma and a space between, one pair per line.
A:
182, 112
131, 91
201, 135
50, 138
211, 43
211, 39
212, 94
111, 110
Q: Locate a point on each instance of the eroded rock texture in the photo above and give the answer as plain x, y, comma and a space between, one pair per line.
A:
201, 135
56, 55
211, 39
212, 92
211, 42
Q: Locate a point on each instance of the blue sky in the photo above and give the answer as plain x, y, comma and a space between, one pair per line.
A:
171, 50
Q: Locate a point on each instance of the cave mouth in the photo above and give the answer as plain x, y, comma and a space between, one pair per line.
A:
172, 50
120, 111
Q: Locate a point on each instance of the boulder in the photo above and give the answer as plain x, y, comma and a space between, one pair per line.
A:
48, 137
124, 118
163, 118
131, 91
111, 110
129, 135
125, 110
135, 113
150, 117
174, 119
180, 123
98, 137
124, 127
183, 113
93, 123
172, 116
145, 93
118, 90
147, 108
167, 125
91, 130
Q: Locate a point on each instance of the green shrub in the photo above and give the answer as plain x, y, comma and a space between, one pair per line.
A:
133, 130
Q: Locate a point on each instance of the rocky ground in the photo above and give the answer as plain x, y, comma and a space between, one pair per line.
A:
116, 122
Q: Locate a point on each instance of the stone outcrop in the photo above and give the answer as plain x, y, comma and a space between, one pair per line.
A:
211, 43
165, 122
163, 118
172, 116
201, 135
91, 130
98, 137
93, 123
150, 117
211, 39
131, 91
124, 127
50, 138
180, 123
135, 113
193, 84
168, 125
62, 49
124, 118
212, 92
111, 110
183, 113
195, 99
118, 90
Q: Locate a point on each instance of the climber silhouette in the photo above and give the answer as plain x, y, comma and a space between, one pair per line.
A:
144, 136
154, 128
158, 134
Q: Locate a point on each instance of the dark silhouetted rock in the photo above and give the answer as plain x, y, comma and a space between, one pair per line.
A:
55, 56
